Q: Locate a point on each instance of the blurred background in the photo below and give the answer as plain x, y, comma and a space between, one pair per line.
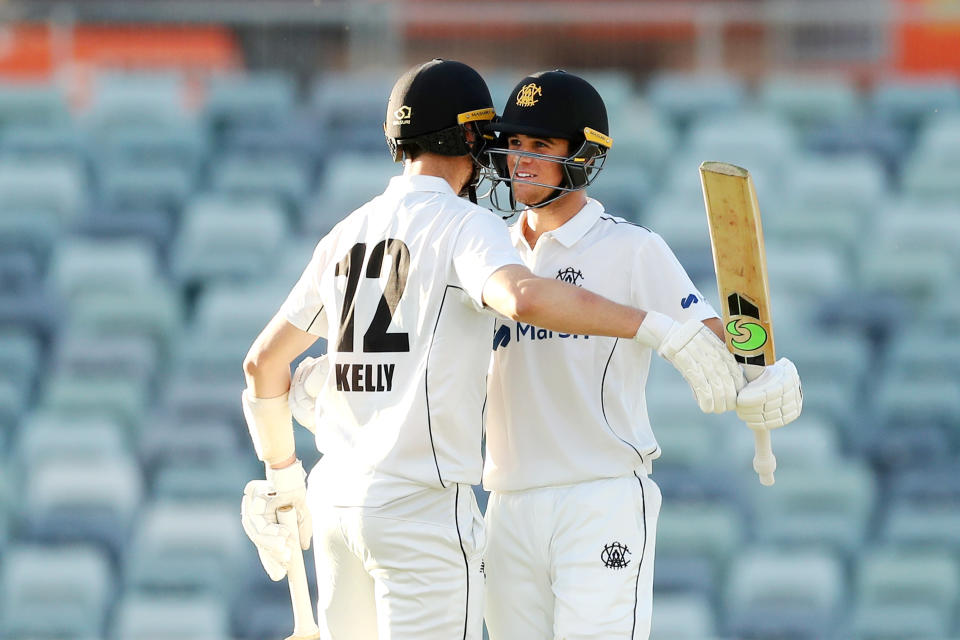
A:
166, 167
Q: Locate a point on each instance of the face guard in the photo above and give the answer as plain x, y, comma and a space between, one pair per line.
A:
579, 169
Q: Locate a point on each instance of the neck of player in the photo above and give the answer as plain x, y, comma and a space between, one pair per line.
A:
456, 170
552, 216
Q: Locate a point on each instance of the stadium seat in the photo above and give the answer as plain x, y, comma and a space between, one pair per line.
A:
236, 311
809, 100
186, 547
902, 401
909, 101
128, 187
63, 141
121, 398
264, 98
206, 356
850, 182
205, 478
35, 104
45, 435
924, 352
182, 144
643, 139
33, 231
930, 179
623, 189
873, 136
84, 266
215, 246
147, 617
830, 506
350, 108
929, 527
938, 138
284, 180
13, 403
156, 312
54, 592
928, 484
891, 576
688, 530
804, 589
55, 186
20, 353
682, 617
144, 100
895, 621
344, 186
684, 97
757, 141
80, 354
83, 500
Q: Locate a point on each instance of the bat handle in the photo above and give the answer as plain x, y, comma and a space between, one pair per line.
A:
304, 626
764, 462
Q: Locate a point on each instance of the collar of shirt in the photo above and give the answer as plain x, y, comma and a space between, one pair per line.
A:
570, 232
407, 184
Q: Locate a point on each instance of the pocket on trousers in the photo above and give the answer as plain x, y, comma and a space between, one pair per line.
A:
473, 529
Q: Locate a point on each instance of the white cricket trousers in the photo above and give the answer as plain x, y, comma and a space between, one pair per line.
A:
573, 562
410, 570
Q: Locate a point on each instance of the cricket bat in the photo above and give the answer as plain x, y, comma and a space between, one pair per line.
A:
739, 258
304, 626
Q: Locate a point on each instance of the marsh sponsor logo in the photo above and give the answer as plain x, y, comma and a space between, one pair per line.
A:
502, 337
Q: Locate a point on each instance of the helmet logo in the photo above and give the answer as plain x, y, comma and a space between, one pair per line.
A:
529, 94
402, 115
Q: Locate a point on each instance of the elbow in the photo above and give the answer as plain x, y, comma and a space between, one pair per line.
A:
527, 305
258, 362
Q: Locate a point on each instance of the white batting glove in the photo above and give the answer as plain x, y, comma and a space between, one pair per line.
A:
258, 514
699, 355
290, 483
305, 386
773, 399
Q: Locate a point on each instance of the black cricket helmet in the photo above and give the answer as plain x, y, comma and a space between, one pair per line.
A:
431, 107
553, 104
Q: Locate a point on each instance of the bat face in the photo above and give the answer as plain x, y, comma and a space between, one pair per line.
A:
739, 259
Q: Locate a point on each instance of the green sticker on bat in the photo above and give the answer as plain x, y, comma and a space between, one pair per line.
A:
747, 336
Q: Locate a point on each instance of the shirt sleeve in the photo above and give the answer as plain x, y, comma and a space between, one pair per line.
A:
660, 283
303, 307
482, 247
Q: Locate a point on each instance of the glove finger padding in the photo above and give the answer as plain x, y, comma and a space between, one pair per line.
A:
258, 515
305, 386
290, 485
773, 399
705, 363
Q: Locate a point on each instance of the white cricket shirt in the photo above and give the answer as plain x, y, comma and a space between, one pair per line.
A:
396, 288
563, 408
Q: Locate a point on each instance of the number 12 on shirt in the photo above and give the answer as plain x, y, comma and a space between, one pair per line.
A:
739, 257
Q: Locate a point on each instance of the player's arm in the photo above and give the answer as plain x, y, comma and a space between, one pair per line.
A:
267, 371
691, 347
267, 412
515, 292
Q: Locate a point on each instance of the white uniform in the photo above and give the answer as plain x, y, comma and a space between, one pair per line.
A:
572, 517
396, 289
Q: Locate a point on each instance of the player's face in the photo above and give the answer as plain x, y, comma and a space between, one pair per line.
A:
524, 169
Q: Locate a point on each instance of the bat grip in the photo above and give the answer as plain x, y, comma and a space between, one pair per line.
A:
304, 626
764, 462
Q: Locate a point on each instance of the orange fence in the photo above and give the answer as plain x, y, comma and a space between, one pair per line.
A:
36, 51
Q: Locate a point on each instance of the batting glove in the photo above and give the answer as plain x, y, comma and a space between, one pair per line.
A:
699, 355
305, 386
773, 399
290, 483
258, 515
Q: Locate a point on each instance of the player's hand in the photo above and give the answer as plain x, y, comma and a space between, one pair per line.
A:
290, 483
258, 515
699, 355
773, 399
305, 385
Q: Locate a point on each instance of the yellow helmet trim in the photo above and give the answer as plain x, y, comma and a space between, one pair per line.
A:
473, 116
595, 136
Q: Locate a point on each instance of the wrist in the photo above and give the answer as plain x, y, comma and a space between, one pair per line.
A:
653, 330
